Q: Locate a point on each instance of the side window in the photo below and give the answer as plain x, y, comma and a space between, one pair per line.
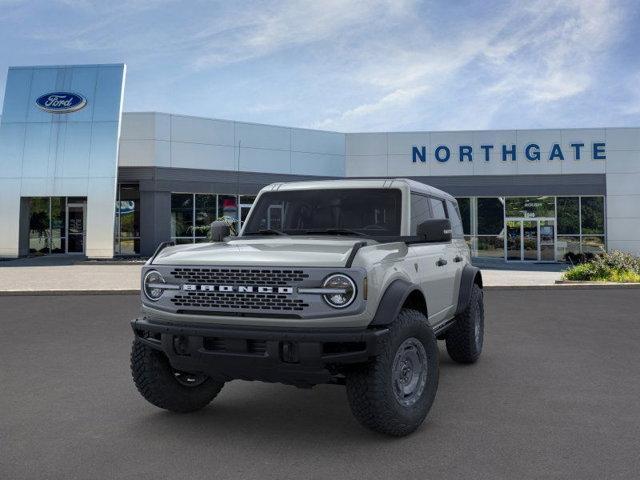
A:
420, 211
437, 206
456, 222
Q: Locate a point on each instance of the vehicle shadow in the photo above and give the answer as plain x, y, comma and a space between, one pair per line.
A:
266, 412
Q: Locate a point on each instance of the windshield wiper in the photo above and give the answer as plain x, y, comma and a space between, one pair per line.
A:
266, 231
334, 231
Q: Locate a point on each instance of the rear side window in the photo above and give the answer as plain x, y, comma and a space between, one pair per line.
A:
457, 230
437, 208
420, 211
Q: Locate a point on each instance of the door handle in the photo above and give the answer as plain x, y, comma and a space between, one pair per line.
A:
441, 262
457, 258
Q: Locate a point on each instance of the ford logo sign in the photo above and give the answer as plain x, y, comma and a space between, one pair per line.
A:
61, 102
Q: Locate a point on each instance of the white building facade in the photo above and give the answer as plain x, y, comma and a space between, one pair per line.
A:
525, 195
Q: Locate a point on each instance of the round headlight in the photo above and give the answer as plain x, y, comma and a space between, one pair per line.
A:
152, 285
344, 290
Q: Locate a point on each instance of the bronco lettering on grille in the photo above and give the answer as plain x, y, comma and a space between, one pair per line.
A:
237, 289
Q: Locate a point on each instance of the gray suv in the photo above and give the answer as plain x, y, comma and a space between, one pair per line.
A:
346, 282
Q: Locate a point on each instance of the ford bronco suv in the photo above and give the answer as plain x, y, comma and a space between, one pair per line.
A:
347, 282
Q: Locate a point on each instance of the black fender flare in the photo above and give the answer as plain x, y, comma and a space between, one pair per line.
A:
392, 301
470, 275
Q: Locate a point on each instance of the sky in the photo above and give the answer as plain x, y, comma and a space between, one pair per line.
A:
350, 65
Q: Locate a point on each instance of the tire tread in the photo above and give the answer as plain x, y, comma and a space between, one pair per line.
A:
460, 340
153, 377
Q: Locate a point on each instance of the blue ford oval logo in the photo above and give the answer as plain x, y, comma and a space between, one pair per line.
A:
61, 102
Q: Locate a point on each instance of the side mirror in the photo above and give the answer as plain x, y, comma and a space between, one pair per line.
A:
219, 230
435, 230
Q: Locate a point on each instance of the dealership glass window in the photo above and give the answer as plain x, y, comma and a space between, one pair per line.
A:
490, 216
193, 213
567, 244
568, 215
58, 222
48, 224
39, 225
592, 221
205, 214
127, 228
593, 244
182, 241
592, 218
47, 229
191, 216
580, 222
490, 246
182, 205
592, 215
568, 218
530, 207
470, 243
464, 206
228, 211
420, 211
228, 207
580, 225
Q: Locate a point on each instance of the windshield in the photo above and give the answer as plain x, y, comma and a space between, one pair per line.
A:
366, 212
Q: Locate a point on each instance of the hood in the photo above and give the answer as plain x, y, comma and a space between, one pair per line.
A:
270, 251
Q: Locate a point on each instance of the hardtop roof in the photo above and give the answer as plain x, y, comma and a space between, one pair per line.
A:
413, 185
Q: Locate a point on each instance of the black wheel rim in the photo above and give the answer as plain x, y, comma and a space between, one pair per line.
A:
189, 379
409, 373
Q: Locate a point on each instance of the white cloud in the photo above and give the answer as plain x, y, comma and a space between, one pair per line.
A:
401, 97
631, 104
534, 55
550, 57
286, 24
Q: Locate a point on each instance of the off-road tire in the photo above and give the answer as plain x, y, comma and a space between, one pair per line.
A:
155, 380
370, 387
462, 345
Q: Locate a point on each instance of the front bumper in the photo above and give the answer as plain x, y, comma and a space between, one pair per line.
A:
296, 357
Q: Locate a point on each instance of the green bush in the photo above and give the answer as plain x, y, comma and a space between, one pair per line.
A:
617, 260
583, 271
615, 266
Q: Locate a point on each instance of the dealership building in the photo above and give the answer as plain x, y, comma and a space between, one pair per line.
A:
80, 176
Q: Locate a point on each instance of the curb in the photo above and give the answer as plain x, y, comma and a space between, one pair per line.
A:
110, 262
520, 287
586, 282
22, 293
565, 286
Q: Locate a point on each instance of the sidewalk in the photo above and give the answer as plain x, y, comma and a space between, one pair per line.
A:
498, 273
65, 275
59, 275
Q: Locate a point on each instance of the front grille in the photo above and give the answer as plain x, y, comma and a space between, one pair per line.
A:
237, 276
238, 301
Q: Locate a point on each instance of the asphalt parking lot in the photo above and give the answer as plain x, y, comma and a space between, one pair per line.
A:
555, 395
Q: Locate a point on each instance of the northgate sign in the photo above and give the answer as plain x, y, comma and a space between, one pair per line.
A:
531, 152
